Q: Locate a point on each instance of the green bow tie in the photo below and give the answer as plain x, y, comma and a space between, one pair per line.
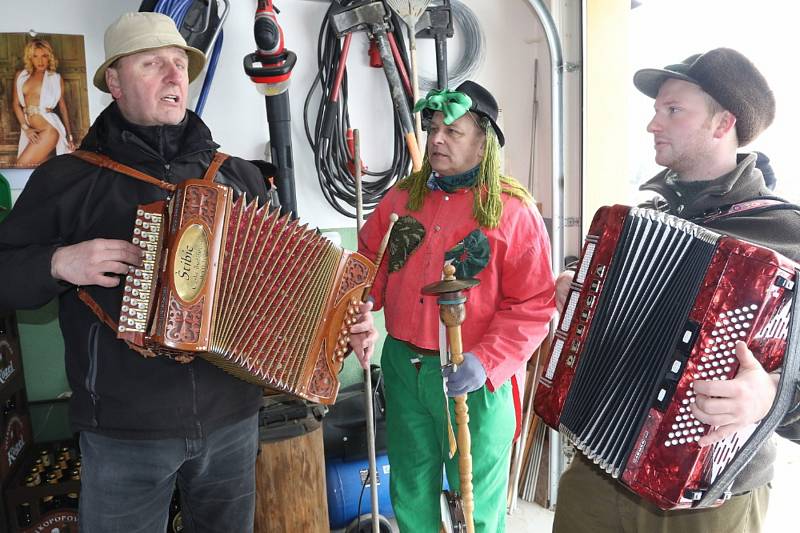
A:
452, 104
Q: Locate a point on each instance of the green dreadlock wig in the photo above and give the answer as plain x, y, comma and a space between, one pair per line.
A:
489, 184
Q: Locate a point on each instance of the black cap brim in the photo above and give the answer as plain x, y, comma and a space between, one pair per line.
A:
650, 80
500, 137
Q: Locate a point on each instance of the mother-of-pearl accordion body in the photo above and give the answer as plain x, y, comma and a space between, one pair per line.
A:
257, 294
656, 303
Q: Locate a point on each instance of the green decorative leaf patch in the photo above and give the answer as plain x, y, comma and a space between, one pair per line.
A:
406, 237
470, 256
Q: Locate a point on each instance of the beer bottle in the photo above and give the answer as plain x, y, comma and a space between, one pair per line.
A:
75, 474
46, 458
64, 450
9, 406
24, 517
61, 461
36, 478
49, 503
175, 523
52, 502
72, 500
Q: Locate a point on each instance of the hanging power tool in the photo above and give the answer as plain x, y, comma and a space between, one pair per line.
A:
437, 23
272, 80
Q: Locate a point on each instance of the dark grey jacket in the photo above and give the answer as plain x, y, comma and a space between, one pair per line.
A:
116, 391
777, 229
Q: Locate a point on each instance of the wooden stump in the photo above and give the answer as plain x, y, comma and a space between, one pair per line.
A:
290, 486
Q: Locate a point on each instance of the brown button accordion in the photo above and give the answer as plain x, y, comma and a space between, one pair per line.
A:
257, 294
656, 303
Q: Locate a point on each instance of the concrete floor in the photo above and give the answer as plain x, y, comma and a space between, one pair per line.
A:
529, 518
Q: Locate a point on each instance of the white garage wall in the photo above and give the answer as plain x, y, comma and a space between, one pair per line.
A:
235, 111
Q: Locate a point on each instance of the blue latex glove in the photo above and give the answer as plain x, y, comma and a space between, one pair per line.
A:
469, 377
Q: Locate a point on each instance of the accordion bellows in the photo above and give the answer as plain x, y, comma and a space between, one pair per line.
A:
257, 294
658, 302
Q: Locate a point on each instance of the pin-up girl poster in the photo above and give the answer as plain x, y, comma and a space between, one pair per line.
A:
45, 108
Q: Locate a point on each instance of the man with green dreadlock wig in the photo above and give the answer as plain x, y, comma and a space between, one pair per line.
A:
458, 208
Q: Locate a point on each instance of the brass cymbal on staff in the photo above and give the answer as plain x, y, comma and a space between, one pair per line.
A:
453, 312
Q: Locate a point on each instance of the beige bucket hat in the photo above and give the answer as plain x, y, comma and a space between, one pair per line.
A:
137, 32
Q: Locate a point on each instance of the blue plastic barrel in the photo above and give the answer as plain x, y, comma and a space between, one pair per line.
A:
344, 481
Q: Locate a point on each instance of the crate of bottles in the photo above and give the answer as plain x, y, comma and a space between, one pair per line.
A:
16, 435
10, 357
43, 495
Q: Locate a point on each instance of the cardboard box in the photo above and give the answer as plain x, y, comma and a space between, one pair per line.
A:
16, 434
10, 355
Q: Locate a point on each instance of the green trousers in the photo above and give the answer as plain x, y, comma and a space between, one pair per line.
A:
418, 446
589, 501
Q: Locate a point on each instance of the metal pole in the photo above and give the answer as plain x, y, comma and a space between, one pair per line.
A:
557, 193
368, 407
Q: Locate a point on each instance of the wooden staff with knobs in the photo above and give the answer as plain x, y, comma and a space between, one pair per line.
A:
453, 312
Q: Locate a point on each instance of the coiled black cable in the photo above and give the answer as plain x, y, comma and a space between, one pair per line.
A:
331, 156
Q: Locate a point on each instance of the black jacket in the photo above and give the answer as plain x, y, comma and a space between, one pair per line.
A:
116, 391
775, 228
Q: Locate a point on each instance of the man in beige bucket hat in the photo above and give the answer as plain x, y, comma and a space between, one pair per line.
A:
144, 423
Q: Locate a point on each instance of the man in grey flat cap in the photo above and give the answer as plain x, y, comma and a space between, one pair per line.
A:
145, 423
706, 107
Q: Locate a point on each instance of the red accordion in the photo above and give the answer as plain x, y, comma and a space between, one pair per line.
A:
658, 302
257, 294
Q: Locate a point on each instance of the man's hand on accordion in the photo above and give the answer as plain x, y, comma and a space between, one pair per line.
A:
363, 335
94, 262
563, 282
735, 404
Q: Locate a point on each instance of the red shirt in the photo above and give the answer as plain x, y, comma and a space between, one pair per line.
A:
507, 315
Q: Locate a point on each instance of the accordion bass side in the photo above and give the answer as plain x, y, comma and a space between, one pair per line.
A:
656, 303
258, 295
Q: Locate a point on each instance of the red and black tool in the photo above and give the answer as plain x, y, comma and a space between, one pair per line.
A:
371, 16
272, 80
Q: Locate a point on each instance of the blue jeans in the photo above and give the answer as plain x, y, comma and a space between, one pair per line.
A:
126, 485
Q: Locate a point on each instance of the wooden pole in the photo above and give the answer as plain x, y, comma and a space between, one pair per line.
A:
453, 312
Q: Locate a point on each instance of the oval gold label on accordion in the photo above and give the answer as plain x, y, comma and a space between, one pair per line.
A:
191, 262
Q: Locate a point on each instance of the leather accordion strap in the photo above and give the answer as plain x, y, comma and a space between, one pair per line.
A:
765, 203
104, 161
219, 158
107, 320
790, 374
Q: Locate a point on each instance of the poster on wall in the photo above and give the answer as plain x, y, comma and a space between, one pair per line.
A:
44, 104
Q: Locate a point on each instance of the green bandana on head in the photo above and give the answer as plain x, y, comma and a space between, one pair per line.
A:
452, 104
